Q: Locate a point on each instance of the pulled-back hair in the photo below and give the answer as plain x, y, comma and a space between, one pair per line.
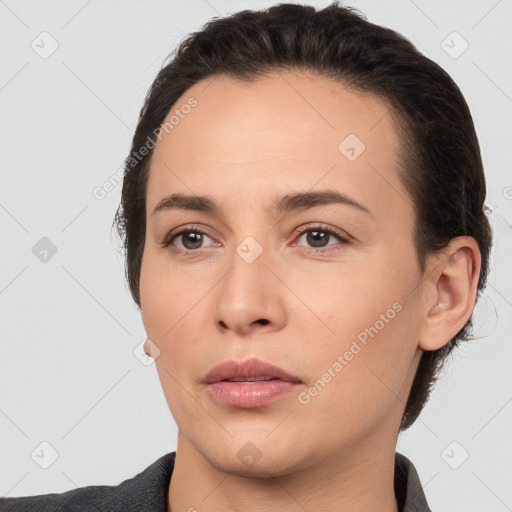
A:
441, 165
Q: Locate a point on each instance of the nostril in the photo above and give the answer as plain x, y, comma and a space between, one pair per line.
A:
262, 321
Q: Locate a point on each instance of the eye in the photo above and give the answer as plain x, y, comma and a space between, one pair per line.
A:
319, 237
190, 239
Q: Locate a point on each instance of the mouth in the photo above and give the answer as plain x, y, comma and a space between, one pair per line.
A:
249, 384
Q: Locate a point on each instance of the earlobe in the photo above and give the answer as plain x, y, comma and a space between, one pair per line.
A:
452, 296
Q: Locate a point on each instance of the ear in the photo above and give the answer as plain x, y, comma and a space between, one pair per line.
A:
451, 289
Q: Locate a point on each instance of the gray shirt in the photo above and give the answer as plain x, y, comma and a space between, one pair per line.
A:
147, 492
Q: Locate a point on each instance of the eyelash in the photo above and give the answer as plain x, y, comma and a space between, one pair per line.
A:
197, 229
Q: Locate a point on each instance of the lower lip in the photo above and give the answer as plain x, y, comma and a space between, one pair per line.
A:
250, 394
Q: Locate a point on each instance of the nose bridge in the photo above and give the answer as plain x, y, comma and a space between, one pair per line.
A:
248, 268
249, 291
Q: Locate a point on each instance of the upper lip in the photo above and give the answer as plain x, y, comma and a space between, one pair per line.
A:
251, 368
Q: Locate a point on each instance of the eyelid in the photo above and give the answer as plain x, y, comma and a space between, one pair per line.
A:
342, 235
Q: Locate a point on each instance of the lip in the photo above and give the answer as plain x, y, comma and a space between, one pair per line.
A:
249, 394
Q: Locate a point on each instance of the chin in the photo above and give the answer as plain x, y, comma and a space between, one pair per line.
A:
266, 467
254, 457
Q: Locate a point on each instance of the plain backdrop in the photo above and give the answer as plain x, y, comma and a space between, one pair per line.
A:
74, 395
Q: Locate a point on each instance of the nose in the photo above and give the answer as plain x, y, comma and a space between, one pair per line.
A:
250, 298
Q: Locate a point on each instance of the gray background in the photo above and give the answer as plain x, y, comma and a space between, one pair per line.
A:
68, 372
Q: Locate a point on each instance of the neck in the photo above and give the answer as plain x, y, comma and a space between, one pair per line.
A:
357, 480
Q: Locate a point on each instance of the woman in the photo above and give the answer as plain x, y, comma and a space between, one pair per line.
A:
305, 235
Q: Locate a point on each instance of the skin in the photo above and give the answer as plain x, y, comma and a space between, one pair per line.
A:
243, 145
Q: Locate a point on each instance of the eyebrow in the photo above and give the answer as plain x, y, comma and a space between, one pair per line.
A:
282, 204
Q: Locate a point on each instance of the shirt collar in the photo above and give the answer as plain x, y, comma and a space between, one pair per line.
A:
408, 489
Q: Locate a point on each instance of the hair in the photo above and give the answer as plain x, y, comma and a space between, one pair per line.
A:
441, 164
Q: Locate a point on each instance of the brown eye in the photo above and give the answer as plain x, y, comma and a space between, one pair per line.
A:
187, 240
191, 239
319, 237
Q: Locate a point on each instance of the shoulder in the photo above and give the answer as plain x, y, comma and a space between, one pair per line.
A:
145, 492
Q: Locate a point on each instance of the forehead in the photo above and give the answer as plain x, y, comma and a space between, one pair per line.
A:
287, 131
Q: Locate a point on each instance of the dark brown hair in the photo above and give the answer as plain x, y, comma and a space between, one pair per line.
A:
441, 162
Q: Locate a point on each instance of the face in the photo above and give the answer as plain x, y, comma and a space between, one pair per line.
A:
302, 258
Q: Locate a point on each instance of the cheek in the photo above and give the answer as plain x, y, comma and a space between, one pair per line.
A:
375, 320
361, 304
369, 379
168, 316
173, 316
158, 315
165, 299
